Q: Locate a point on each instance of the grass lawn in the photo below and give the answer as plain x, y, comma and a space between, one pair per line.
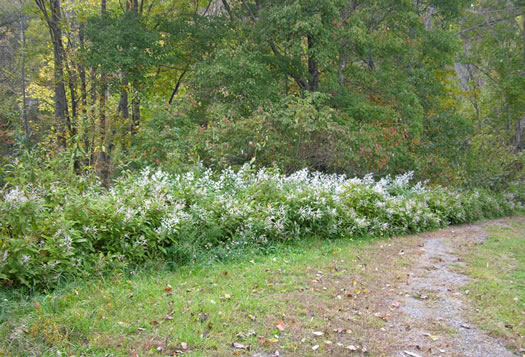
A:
497, 287
277, 302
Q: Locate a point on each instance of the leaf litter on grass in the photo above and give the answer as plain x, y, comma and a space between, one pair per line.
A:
308, 303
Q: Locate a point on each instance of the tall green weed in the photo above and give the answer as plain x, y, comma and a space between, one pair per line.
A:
51, 232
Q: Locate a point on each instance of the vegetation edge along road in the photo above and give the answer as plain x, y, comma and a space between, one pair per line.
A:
327, 297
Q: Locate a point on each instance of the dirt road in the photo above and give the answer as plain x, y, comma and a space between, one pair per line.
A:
406, 297
435, 297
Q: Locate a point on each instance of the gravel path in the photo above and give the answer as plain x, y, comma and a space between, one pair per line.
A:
402, 297
434, 298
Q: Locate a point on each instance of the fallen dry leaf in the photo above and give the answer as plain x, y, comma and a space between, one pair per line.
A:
432, 337
380, 316
280, 326
411, 354
203, 316
396, 304
239, 346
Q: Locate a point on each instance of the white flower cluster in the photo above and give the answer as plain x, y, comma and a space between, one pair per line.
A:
249, 206
154, 211
15, 197
260, 206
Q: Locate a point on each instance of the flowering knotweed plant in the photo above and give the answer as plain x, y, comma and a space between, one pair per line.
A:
48, 234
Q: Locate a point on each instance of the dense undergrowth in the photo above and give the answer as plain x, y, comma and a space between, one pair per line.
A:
51, 233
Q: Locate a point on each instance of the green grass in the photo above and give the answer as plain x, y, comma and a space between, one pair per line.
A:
204, 309
497, 289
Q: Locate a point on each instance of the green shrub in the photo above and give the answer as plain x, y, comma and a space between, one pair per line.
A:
51, 232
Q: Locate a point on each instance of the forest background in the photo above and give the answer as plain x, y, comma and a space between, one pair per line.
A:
102, 87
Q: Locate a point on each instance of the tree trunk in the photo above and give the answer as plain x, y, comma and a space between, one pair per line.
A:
135, 107
519, 134
53, 18
27, 129
123, 104
82, 72
178, 84
103, 158
72, 82
92, 114
136, 114
61, 110
135, 102
428, 18
83, 91
313, 66
521, 122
